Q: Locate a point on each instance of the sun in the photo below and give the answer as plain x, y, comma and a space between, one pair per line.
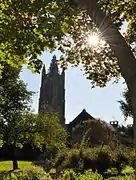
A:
93, 39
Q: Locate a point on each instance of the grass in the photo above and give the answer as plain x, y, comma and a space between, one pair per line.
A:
7, 165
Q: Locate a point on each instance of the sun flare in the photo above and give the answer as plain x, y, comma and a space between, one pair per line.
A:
93, 39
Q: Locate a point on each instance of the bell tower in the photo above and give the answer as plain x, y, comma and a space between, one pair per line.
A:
52, 91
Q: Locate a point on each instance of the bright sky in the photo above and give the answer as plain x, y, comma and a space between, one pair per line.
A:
99, 102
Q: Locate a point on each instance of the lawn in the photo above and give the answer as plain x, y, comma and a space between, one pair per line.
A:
7, 165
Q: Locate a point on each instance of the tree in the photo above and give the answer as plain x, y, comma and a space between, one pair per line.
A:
15, 101
94, 132
117, 44
43, 130
126, 105
17, 125
30, 27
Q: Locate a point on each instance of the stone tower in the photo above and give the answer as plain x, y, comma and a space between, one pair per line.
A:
52, 91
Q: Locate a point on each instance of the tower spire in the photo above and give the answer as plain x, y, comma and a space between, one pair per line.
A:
42, 89
43, 74
43, 70
63, 97
53, 66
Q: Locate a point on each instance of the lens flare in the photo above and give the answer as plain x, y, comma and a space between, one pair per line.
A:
93, 39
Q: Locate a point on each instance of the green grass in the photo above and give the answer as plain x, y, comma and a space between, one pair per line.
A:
7, 165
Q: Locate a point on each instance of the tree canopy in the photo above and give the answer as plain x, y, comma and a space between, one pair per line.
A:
29, 27
18, 126
15, 100
43, 131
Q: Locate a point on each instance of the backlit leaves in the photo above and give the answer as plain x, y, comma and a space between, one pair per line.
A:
29, 27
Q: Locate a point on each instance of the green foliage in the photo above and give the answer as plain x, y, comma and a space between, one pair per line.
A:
127, 177
120, 159
44, 131
15, 100
132, 158
128, 169
38, 173
80, 160
94, 132
30, 173
35, 172
28, 29
17, 126
98, 159
88, 175
126, 105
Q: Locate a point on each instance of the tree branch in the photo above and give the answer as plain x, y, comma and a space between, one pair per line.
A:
112, 36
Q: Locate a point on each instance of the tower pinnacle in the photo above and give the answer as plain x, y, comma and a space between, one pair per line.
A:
43, 70
53, 66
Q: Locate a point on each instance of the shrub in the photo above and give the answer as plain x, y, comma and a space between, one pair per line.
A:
96, 132
35, 172
31, 173
89, 175
99, 158
72, 175
46, 160
70, 159
83, 159
120, 158
132, 158
96, 158
130, 177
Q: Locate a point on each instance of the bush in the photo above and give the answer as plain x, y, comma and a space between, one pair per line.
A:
121, 158
132, 158
97, 158
130, 177
96, 132
45, 160
32, 173
37, 173
83, 159
88, 175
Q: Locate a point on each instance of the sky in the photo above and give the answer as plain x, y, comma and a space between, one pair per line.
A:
98, 102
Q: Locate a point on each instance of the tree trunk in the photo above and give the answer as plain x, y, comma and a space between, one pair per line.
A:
15, 164
14, 159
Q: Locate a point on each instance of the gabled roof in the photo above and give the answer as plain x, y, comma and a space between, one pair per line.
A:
83, 116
